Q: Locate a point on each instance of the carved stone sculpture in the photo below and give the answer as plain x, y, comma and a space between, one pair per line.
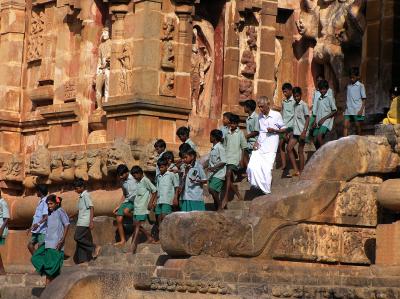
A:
81, 166
167, 87
119, 153
94, 162
245, 89
35, 41
249, 63
56, 167
168, 56
68, 161
125, 78
168, 29
12, 169
251, 34
332, 24
39, 164
103, 69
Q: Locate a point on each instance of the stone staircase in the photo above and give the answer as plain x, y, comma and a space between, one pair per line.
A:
21, 285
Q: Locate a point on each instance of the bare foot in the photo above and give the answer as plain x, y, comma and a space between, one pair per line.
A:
134, 246
97, 251
150, 241
3, 272
120, 243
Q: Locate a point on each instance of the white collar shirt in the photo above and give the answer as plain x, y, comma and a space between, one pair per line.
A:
268, 142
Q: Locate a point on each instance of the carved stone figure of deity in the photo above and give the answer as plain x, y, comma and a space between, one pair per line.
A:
103, 69
245, 89
249, 63
119, 153
125, 60
12, 169
251, 34
196, 74
168, 29
168, 55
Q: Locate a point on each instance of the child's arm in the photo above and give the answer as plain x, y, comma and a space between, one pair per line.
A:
119, 205
3, 226
152, 201
216, 167
176, 196
91, 226
36, 225
62, 241
251, 134
322, 120
362, 107
304, 133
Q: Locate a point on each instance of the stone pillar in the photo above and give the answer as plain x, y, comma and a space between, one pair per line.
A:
146, 47
184, 51
266, 80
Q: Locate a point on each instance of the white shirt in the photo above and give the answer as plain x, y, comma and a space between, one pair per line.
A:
268, 142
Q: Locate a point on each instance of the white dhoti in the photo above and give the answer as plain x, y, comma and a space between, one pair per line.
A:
259, 170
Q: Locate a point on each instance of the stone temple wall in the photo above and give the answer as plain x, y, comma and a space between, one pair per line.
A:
75, 104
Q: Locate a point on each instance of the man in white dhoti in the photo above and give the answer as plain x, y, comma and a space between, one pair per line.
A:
259, 169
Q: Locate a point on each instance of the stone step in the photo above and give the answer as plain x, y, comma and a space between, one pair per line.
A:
29, 292
149, 248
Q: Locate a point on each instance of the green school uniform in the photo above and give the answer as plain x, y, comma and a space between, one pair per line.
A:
299, 119
252, 125
143, 192
217, 156
166, 184
234, 144
324, 106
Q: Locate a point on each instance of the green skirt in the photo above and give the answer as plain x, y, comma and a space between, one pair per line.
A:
48, 261
192, 205
2, 241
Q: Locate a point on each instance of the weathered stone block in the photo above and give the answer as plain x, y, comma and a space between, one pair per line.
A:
388, 244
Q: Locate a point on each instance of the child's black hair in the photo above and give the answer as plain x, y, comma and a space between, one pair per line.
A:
355, 71
183, 131
320, 76
217, 134
297, 90
79, 183
162, 161
227, 115
190, 152
160, 143
323, 84
55, 199
122, 169
168, 155
42, 189
287, 86
234, 119
251, 104
184, 147
395, 90
136, 169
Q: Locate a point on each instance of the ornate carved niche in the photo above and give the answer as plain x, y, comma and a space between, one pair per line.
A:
70, 90
36, 30
167, 37
247, 28
12, 169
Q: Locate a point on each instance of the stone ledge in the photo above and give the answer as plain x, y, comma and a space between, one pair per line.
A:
60, 113
41, 93
128, 105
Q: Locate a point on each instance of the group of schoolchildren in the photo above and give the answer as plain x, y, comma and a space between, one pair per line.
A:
178, 184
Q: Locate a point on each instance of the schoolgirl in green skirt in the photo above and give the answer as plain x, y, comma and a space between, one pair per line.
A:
49, 257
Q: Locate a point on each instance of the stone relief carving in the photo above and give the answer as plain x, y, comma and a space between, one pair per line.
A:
332, 24
168, 29
68, 161
168, 55
167, 85
70, 90
81, 166
12, 169
39, 163
324, 243
202, 67
35, 40
249, 65
103, 69
94, 162
56, 167
119, 153
125, 77
245, 89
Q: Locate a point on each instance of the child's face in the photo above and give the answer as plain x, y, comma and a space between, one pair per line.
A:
79, 190
233, 126
159, 149
138, 176
188, 159
51, 205
246, 109
353, 79
212, 139
124, 176
182, 138
297, 97
323, 91
225, 121
163, 168
287, 93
